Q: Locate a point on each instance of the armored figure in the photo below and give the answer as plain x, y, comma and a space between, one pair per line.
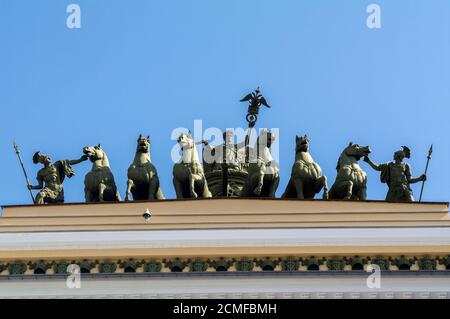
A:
51, 177
225, 167
397, 175
234, 157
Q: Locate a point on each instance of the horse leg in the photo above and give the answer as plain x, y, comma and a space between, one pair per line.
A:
363, 192
349, 186
259, 176
192, 186
130, 185
288, 190
101, 190
320, 183
159, 193
298, 184
206, 192
178, 188
153, 186
274, 185
87, 195
118, 195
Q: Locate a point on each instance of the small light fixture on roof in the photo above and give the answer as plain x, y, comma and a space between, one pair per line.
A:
147, 215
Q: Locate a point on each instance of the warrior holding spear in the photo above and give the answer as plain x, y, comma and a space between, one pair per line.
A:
51, 177
397, 175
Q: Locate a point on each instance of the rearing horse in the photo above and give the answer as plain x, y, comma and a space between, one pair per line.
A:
188, 176
99, 184
351, 180
143, 180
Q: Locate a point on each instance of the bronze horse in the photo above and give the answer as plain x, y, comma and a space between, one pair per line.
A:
188, 177
306, 177
99, 184
143, 180
351, 180
263, 172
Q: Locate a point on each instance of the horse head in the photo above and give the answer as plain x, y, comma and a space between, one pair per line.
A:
357, 151
352, 153
96, 155
185, 141
143, 144
265, 139
301, 143
261, 151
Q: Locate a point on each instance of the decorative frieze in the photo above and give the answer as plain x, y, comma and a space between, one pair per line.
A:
267, 264
152, 266
336, 263
130, 265
245, 264
382, 262
17, 268
39, 267
107, 267
312, 263
402, 262
290, 264
60, 267
357, 263
221, 264
175, 265
197, 265
86, 266
427, 263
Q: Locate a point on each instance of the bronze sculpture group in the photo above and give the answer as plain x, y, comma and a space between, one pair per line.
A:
230, 170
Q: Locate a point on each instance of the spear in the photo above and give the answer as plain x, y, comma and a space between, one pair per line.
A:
430, 151
16, 148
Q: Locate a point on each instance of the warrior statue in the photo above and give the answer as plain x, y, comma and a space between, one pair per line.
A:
51, 177
306, 177
99, 184
143, 180
225, 167
397, 175
188, 176
351, 180
263, 172
234, 157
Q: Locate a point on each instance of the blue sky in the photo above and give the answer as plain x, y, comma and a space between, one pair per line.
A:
151, 66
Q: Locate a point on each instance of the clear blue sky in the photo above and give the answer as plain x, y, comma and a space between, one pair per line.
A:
151, 66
